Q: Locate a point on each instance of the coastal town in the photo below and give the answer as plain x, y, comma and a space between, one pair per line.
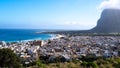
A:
67, 47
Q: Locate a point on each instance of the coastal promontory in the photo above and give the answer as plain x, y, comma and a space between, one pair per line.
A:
109, 22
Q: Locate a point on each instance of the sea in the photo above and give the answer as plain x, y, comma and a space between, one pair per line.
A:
13, 35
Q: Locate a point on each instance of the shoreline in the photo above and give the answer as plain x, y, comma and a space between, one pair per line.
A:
52, 36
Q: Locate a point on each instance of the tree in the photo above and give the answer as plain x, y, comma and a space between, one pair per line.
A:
9, 59
40, 64
89, 64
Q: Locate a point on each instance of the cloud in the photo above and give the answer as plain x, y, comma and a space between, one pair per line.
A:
106, 4
71, 23
75, 23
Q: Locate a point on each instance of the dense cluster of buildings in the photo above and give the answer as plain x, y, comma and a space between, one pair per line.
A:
76, 46
27, 51
67, 47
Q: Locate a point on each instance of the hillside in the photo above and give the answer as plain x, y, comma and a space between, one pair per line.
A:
109, 22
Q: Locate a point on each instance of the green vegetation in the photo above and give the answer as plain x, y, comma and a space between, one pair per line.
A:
9, 59
96, 62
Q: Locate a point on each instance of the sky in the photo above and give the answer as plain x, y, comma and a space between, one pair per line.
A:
52, 14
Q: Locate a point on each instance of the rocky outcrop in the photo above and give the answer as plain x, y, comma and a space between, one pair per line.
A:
109, 22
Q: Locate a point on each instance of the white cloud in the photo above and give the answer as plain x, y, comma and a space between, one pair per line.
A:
77, 23
106, 4
71, 23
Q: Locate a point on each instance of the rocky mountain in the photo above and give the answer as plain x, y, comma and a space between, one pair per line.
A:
109, 22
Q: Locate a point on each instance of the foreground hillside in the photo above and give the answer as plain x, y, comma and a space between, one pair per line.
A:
63, 52
90, 62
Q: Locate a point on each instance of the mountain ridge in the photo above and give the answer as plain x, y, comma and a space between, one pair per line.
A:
109, 22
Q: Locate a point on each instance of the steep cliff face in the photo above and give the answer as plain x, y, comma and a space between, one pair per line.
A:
109, 21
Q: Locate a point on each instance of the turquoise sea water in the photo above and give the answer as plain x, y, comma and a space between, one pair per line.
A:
10, 35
